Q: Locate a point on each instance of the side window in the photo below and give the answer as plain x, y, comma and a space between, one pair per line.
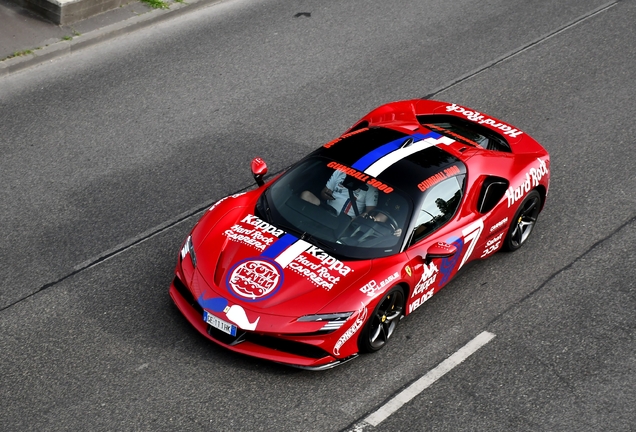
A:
492, 190
439, 206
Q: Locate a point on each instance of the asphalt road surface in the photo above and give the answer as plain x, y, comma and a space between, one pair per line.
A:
109, 155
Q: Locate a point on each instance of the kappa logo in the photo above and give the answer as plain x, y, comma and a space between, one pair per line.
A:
261, 225
328, 261
427, 279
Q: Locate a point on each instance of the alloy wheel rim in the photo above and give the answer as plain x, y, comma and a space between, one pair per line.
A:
386, 318
525, 222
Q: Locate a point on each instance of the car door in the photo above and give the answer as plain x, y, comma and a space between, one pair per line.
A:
492, 205
438, 220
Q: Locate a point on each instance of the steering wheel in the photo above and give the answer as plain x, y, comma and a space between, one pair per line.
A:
390, 220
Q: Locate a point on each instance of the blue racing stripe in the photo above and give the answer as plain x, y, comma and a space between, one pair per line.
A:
279, 246
370, 158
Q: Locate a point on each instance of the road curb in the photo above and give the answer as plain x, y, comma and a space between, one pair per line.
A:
64, 48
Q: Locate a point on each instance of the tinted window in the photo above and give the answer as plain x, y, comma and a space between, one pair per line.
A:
439, 206
360, 143
293, 204
469, 132
492, 191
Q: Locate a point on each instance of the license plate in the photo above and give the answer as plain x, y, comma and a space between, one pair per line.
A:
218, 323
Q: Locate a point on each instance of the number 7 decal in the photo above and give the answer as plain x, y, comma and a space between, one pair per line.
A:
471, 234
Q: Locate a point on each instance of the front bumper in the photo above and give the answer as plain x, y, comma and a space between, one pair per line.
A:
276, 348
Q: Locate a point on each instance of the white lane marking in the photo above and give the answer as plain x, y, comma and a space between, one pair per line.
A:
427, 380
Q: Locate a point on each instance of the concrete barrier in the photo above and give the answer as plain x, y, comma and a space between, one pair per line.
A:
64, 12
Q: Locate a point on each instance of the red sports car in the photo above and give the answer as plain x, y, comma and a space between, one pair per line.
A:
322, 262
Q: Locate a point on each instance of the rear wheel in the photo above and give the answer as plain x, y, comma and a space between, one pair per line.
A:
523, 222
381, 325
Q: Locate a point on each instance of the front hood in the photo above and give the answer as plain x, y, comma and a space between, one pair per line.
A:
263, 268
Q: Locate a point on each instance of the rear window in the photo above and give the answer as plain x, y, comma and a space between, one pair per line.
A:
466, 132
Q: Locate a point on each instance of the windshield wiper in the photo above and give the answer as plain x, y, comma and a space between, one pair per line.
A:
290, 229
266, 211
316, 241
304, 235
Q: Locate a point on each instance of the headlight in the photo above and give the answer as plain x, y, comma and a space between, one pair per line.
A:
332, 321
342, 316
189, 249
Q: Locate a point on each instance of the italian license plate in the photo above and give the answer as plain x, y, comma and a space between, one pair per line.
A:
218, 323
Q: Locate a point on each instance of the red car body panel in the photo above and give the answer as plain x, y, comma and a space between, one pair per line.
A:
237, 279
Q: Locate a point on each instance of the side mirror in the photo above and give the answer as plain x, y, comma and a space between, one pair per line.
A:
440, 250
259, 169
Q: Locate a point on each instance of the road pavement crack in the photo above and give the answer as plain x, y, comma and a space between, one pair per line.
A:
562, 270
360, 424
523, 48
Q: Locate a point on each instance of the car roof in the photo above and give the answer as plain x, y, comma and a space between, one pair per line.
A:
401, 160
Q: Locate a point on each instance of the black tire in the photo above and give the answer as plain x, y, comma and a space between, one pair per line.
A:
523, 222
381, 325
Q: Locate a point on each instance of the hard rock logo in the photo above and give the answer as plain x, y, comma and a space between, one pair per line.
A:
254, 279
482, 119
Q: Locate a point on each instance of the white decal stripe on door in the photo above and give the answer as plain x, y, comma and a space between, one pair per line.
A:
471, 235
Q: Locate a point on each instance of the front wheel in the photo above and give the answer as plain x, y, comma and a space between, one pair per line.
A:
523, 222
381, 325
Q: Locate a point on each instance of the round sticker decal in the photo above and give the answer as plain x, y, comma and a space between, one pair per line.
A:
255, 279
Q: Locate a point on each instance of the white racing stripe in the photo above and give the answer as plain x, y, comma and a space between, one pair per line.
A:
383, 163
292, 252
427, 380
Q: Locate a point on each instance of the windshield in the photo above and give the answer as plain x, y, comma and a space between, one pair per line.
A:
342, 210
